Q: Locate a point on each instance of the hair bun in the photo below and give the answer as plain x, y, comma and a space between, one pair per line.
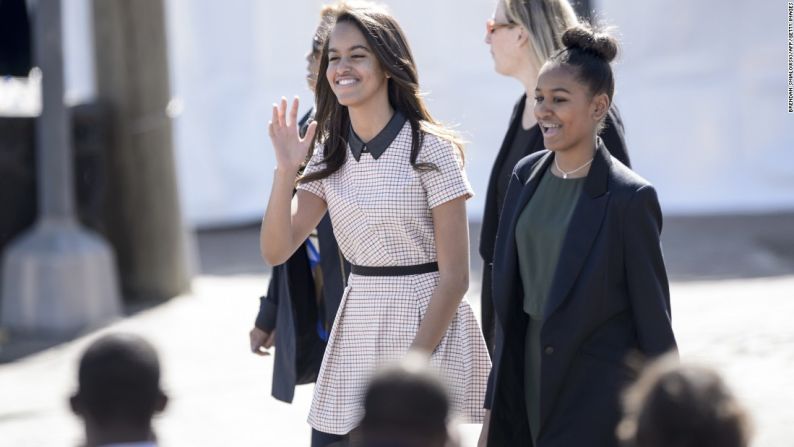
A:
585, 38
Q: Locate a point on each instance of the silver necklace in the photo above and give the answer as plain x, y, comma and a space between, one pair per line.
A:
566, 174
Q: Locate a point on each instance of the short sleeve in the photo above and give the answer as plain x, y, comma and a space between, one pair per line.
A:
449, 180
316, 187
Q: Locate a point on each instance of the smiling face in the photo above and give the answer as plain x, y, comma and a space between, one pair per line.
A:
353, 72
566, 111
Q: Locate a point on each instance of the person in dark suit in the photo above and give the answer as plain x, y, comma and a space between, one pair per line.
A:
522, 35
579, 282
304, 293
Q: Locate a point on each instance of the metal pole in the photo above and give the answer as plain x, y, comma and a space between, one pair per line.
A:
54, 152
58, 279
144, 219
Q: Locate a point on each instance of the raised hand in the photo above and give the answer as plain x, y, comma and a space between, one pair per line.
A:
291, 150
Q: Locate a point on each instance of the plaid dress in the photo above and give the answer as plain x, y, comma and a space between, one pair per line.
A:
380, 208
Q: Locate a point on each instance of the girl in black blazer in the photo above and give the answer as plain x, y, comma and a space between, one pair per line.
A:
579, 282
522, 35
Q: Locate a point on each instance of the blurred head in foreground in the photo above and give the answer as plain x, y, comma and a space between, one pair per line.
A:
405, 406
118, 390
674, 405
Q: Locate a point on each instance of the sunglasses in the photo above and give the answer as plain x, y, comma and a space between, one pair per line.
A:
491, 26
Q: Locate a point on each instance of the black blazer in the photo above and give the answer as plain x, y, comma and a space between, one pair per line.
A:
612, 135
609, 298
291, 309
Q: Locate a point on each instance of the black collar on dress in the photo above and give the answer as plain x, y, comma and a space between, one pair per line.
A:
377, 146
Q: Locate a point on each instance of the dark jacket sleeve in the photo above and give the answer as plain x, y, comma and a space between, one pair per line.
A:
490, 218
645, 273
499, 339
521, 173
268, 305
489, 392
613, 136
335, 270
306, 119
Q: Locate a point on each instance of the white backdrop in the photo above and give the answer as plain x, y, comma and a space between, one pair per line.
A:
232, 60
701, 87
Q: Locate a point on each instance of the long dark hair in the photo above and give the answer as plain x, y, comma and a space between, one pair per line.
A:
387, 41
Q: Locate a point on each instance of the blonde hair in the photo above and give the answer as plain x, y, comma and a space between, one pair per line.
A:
546, 21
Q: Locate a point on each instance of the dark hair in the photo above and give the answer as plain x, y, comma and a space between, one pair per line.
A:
589, 53
387, 41
320, 33
406, 406
682, 406
119, 380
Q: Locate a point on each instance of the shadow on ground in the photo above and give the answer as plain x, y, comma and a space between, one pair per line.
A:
696, 248
231, 251
729, 246
14, 346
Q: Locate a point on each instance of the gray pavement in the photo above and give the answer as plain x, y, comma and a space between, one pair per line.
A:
732, 297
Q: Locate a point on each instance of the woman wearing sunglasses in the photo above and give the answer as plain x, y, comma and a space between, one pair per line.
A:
523, 34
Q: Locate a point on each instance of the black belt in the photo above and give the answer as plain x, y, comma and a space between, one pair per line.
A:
397, 270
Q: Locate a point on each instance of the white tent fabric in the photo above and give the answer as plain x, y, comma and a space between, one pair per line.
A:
232, 60
701, 87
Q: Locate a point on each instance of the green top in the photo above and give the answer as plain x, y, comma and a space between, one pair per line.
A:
540, 232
